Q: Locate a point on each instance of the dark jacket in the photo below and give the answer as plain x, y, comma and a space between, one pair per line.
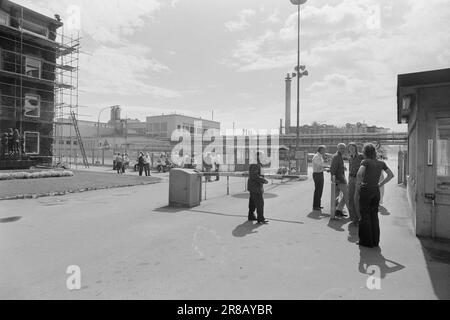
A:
255, 179
337, 168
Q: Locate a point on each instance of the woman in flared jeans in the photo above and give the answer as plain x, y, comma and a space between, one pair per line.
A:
369, 227
368, 182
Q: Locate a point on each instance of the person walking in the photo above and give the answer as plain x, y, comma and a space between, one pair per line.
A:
141, 164
338, 177
255, 187
147, 161
119, 162
353, 196
318, 168
368, 178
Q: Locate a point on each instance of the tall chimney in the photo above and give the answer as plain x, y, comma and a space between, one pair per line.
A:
287, 119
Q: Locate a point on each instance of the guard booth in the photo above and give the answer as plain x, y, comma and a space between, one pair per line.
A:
424, 104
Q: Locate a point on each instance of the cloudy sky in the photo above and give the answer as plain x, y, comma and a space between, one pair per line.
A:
231, 56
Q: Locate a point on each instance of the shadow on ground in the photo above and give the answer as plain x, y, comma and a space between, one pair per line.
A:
337, 224
437, 257
317, 215
372, 257
10, 219
246, 228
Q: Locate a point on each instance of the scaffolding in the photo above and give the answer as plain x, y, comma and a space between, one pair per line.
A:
52, 77
66, 95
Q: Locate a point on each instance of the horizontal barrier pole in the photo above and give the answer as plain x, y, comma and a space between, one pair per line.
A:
245, 175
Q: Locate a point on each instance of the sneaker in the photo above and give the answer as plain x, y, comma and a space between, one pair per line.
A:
251, 218
265, 221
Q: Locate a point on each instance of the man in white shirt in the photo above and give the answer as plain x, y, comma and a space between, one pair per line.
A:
318, 168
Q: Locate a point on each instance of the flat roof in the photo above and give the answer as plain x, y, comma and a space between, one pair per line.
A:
180, 115
418, 79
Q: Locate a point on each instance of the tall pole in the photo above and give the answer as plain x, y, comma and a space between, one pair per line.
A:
297, 142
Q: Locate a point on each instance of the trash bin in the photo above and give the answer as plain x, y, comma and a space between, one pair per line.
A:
185, 188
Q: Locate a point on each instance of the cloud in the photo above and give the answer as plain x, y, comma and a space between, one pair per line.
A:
125, 71
107, 23
242, 23
274, 17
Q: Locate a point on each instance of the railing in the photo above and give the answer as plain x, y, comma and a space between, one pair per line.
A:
245, 175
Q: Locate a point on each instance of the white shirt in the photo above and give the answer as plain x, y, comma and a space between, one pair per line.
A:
317, 162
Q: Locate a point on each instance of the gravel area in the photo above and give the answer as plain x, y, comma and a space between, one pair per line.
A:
81, 181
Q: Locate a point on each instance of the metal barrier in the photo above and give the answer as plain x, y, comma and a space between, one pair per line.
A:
245, 175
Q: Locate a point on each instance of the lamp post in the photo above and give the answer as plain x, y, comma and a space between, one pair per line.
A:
300, 72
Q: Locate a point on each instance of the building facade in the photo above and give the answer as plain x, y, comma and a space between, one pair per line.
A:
162, 126
28, 56
424, 104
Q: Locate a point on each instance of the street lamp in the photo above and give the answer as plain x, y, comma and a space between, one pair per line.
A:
300, 72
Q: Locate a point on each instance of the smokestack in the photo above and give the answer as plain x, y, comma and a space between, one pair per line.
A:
287, 118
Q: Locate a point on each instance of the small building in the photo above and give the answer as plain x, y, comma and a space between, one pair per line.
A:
423, 102
162, 126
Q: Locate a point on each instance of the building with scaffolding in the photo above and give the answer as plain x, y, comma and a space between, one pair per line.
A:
38, 80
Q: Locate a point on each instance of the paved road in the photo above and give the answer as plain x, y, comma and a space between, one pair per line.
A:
129, 245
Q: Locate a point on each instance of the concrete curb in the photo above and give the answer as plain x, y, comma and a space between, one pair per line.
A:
62, 193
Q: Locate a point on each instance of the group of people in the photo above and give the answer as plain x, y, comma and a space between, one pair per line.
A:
11, 143
144, 164
360, 193
121, 162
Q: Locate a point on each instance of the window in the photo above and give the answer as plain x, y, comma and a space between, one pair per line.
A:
31, 142
4, 18
443, 149
32, 106
33, 67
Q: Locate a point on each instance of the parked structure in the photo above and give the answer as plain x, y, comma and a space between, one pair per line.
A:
424, 104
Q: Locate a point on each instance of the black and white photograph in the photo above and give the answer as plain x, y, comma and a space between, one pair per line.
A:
242, 152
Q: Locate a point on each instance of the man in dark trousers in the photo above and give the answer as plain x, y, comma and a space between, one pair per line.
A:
255, 187
337, 170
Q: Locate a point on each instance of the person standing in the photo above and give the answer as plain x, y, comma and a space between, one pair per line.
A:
141, 163
16, 141
368, 178
147, 161
126, 162
318, 168
119, 162
255, 187
353, 196
208, 166
338, 177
